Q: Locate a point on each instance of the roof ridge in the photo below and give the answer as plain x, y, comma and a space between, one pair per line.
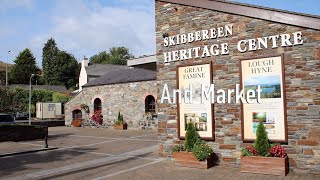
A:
253, 11
267, 8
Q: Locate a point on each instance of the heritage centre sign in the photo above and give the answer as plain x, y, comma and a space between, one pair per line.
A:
281, 40
261, 91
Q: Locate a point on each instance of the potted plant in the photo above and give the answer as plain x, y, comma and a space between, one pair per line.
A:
84, 107
264, 158
119, 124
194, 153
76, 123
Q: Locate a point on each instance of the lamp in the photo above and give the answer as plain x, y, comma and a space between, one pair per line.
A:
32, 75
7, 71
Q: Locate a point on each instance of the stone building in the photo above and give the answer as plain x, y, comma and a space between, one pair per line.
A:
128, 90
241, 31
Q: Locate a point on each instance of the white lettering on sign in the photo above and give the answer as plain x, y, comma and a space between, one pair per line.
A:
243, 45
283, 40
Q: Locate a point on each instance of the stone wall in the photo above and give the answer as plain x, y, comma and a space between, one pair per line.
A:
302, 82
128, 98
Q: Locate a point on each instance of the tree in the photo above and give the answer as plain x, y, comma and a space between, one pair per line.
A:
49, 57
261, 144
59, 67
116, 55
191, 137
25, 65
100, 58
68, 69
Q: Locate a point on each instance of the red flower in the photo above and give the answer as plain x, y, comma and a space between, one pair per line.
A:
252, 150
278, 151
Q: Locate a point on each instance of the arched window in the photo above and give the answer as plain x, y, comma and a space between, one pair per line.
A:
150, 104
97, 104
76, 114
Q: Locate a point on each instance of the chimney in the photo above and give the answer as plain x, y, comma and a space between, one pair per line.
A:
85, 62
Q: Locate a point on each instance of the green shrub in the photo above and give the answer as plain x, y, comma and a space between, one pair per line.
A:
178, 148
17, 99
191, 137
119, 119
261, 144
21, 132
202, 151
249, 151
60, 98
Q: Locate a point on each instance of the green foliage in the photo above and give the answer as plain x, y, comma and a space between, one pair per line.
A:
17, 100
191, 137
2, 77
249, 151
245, 152
178, 148
100, 58
202, 151
116, 55
59, 67
5, 100
19, 132
261, 144
68, 69
20, 100
58, 97
119, 119
49, 57
25, 65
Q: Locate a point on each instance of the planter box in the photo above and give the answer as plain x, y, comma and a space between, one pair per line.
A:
187, 159
120, 126
265, 165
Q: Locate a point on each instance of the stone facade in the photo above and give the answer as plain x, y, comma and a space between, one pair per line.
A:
128, 98
302, 82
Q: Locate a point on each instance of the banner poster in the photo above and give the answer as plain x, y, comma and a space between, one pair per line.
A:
269, 74
189, 81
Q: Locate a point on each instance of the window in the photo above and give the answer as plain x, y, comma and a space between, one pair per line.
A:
97, 105
150, 104
51, 107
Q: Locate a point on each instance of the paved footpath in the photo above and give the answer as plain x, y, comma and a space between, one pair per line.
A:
89, 153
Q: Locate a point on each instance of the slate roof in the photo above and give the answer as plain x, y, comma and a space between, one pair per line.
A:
101, 69
123, 76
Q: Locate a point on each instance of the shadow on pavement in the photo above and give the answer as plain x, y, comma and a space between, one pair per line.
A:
94, 167
36, 161
58, 136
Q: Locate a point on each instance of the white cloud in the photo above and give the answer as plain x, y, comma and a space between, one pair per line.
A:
86, 29
7, 5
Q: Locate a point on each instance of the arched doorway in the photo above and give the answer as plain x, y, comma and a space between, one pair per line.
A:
76, 114
150, 104
97, 107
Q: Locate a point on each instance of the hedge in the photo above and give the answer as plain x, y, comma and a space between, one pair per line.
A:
20, 132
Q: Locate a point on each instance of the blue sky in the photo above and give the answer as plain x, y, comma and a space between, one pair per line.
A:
267, 79
86, 27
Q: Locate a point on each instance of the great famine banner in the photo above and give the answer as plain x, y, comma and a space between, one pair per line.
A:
269, 74
191, 109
